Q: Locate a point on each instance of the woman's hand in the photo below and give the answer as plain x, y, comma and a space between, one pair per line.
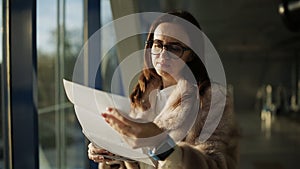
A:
96, 154
133, 131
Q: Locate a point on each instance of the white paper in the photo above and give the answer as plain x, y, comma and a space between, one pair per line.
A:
89, 104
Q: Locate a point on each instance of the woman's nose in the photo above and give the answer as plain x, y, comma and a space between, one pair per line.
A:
165, 53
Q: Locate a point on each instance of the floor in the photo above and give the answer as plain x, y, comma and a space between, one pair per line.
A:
268, 142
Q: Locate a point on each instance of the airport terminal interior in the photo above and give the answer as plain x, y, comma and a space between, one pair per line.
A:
257, 41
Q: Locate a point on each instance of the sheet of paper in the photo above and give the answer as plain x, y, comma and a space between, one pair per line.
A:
89, 104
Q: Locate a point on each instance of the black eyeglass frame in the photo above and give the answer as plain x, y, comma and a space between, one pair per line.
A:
150, 42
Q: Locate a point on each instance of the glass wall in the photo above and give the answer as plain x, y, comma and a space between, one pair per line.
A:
60, 37
59, 40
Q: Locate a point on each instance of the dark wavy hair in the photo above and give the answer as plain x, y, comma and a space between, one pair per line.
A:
149, 77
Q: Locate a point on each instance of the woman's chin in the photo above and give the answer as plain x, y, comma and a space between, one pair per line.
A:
165, 73
162, 72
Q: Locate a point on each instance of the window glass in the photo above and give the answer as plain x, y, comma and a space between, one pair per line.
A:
110, 59
59, 40
74, 140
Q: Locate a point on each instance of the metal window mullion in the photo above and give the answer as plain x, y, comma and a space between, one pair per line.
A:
63, 150
6, 104
56, 67
59, 73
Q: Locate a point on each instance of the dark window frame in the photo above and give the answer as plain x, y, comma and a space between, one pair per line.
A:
19, 85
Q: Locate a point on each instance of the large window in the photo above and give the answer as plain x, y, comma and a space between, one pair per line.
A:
60, 33
59, 40
60, 37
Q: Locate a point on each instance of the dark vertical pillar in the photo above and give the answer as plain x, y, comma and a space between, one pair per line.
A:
20, 88
92, 24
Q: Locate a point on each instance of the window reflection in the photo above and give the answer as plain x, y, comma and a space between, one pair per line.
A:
110, 59
59, 39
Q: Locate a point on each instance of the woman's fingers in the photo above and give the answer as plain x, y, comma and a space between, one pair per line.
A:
130, 128
97, 150
96, 158
118, 115
119, 125
95, 154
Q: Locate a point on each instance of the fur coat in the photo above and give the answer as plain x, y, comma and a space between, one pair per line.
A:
211, 142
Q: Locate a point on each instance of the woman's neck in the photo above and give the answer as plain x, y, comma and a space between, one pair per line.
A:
168, 82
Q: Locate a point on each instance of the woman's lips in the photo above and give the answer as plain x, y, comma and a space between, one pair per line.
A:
162, 65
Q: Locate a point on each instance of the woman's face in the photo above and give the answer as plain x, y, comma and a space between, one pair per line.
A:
168, 54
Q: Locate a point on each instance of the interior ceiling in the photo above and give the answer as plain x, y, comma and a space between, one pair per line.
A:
236, 25
247, 25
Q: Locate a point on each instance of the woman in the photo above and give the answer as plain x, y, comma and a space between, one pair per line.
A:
168, 61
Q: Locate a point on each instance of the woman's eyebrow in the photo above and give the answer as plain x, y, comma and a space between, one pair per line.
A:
175, 43
157, 40
172, 43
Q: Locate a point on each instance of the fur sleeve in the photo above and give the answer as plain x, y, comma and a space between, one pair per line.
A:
220, 150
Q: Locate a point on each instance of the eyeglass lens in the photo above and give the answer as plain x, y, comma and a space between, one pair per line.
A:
174, 48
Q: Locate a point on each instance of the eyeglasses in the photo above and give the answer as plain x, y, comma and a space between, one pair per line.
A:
175, 48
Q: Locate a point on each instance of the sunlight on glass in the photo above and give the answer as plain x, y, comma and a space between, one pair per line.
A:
106, 17
1, 55
59, 40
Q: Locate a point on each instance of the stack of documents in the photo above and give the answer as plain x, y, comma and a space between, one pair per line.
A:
89, 103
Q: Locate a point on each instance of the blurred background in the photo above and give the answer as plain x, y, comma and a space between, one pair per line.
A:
258, 43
